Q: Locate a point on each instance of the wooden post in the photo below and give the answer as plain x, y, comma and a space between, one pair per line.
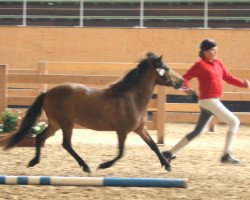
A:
160, 114
3, 87
42, 69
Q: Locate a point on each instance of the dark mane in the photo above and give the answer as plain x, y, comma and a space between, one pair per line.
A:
129, 80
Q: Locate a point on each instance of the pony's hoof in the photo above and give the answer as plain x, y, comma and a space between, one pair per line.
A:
105, 165
33, 162
86, 169
168, 168
102, 166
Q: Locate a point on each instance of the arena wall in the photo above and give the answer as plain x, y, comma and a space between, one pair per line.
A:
24, 47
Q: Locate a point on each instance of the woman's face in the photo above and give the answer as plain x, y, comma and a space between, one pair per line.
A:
211, 53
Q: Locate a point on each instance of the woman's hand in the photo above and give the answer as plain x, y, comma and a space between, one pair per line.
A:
191, 92
187, 90
246, 83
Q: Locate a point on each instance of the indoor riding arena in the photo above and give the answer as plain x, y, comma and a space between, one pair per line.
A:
52, 51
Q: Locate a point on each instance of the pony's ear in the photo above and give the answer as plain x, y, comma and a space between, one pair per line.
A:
149, 54
159, 58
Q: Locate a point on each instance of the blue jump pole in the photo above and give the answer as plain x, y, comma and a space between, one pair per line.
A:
93, 181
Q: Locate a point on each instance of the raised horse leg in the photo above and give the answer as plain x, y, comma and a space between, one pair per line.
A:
143, 132
121, 140
40, 140
67, 134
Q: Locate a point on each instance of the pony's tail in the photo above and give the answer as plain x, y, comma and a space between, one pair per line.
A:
28, 121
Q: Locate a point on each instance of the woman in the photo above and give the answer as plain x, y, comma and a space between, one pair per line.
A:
210, 73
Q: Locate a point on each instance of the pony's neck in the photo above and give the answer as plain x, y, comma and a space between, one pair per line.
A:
143, 90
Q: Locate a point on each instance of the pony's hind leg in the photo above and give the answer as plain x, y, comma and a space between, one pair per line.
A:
40, 140
121, 140
67, 134
143, 132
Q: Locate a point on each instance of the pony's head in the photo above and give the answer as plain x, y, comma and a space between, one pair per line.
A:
163, 74
156, 70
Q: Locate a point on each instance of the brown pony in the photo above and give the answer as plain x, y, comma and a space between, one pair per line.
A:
120, 107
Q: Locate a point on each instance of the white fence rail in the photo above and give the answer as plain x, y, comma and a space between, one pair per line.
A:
162, 12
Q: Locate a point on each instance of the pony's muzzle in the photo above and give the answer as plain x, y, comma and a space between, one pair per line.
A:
178, 85
175, 79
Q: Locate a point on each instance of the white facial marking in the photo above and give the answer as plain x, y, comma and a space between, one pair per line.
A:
161, 72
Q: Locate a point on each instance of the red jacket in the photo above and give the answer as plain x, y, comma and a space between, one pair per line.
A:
210, 76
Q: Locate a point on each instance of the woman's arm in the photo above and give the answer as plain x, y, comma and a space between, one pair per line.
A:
229, 78
190, 74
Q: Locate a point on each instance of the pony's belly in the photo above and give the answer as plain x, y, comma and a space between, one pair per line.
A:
97, 126
109, 125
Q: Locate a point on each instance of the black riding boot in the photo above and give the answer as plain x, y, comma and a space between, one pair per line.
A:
168, 156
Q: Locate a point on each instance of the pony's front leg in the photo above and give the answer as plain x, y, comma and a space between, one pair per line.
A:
121, 140
143, 132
